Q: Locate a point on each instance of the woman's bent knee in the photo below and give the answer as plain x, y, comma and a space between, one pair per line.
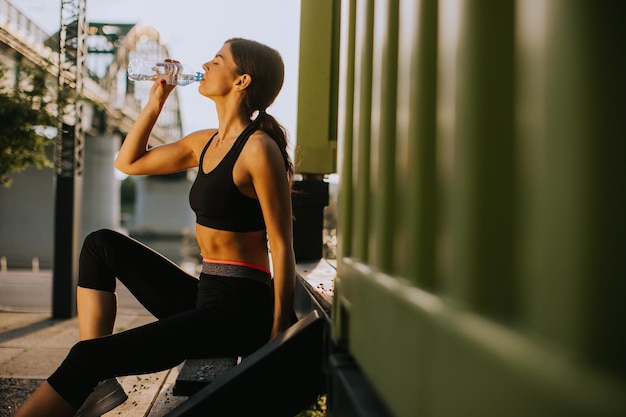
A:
94, 271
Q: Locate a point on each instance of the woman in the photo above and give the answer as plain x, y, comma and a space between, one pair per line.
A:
241, 198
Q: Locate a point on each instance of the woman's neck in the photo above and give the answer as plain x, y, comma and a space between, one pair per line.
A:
230, 123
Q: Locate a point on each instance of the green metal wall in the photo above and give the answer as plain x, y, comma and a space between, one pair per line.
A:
482, 204
316, 146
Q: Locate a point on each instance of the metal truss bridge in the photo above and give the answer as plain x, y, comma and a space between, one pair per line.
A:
87, 62
109, 46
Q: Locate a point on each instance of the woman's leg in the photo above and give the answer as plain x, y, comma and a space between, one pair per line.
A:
45, 402
96, 312
161, 286
157, 283
106, 256
235, 319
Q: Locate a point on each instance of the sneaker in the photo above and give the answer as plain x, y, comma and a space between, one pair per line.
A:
105, 397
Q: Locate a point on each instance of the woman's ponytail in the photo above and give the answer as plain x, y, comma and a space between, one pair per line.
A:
276, 131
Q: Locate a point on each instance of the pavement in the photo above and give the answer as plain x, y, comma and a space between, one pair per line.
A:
33, 344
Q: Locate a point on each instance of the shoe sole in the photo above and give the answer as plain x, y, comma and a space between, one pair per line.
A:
105, 405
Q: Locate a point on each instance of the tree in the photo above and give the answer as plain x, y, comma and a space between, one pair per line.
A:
25, 113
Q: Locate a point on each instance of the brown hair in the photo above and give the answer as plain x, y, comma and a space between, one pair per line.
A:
267, 70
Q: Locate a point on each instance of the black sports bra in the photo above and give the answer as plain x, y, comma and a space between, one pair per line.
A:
215, 199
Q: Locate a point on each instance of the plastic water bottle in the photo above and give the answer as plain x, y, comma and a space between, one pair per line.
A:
175, 73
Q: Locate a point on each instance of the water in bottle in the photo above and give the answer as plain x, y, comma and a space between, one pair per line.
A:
175, 73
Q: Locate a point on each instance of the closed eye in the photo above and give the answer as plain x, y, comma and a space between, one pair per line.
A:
217, 58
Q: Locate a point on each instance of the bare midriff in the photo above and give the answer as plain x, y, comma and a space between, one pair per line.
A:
243, 247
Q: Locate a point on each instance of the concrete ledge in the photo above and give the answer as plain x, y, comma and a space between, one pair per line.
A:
315, 287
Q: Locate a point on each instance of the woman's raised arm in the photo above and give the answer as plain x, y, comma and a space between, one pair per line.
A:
134, 158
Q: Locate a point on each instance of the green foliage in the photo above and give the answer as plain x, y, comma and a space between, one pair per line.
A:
24, 113
317, 409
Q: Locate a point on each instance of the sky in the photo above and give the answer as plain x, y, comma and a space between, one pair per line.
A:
194, 30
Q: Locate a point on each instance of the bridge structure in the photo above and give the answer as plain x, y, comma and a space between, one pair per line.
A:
108, 104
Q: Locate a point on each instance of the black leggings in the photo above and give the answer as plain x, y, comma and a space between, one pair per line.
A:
226, 312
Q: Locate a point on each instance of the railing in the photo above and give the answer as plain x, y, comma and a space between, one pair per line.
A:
12, 20
10, 15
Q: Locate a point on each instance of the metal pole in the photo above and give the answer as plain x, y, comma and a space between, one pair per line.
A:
69, 156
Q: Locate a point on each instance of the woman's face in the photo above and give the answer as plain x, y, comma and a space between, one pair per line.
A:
220, 74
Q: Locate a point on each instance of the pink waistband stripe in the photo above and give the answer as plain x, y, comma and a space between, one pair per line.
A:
246, 264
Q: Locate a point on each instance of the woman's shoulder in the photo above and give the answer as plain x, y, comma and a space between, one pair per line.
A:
261, 147
261, 141
198, 139
200, 135
193, 144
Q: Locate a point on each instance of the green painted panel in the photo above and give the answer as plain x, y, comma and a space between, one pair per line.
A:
384, 87
346, 122
317, 88
482, 261
570, 108
362, 127
346, 130
316, 160
398, 370
416, 214
453, 362
483, 203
